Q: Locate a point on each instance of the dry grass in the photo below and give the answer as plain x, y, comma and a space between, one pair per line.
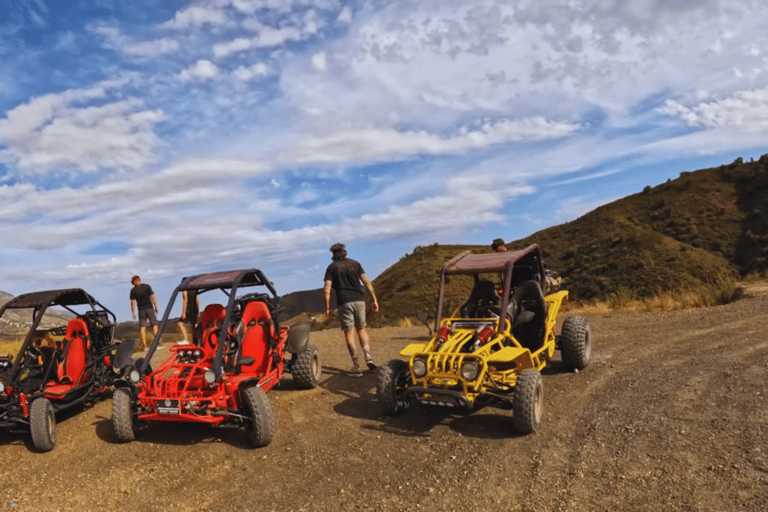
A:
405, 322
705, 296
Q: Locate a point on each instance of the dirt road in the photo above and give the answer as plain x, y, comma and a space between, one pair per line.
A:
670, 415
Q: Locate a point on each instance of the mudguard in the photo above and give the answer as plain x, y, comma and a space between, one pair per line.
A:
298, 339
123, 354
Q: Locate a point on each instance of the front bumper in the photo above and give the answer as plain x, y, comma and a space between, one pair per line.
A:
438, 397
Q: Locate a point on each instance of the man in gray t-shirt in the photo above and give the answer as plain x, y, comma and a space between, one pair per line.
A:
347, 278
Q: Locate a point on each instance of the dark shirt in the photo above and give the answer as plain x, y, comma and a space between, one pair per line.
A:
141, 294
344, 276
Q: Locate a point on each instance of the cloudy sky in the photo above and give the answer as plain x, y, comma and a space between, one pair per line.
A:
173, 137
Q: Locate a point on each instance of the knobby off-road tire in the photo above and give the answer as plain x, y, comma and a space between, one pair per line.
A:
261, 429
42, 424
307, 368
393, 379
576, 342
122, 415
528, 401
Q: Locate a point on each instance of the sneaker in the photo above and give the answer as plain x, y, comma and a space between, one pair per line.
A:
355, 372
371, 365
183, 342
159, 347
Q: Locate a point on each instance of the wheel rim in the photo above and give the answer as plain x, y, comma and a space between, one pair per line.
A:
51, 425
537, 401
316, 368
587, 345
402, 380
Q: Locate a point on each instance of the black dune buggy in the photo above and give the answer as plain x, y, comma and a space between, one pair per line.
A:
56, 351
221, 379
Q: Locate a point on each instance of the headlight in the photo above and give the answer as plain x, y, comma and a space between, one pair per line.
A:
419, 368
134, 376
2, 387
469, 370
198, 353
209, 377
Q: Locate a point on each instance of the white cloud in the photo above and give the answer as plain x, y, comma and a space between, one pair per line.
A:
53, 133
319, 61
386, 143
745, 110
203, 69
197, 16
152, 48
246, 74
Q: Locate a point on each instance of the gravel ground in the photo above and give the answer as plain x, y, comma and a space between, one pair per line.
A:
670, 415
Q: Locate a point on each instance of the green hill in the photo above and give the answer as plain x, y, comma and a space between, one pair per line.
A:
697, 233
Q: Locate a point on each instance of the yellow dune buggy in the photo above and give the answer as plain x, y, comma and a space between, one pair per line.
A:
491, 349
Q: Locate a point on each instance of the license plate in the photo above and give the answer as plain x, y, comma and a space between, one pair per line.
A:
167, 406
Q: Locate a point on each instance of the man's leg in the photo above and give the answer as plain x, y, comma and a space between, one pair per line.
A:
143, 332
183, 330
349, 335
365, 344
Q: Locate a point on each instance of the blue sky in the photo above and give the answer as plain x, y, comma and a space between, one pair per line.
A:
168, 138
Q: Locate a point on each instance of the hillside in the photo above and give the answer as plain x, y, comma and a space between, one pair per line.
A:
697, 233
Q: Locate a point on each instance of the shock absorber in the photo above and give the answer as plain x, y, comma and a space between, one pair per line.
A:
24, 405
442, 336
484, 335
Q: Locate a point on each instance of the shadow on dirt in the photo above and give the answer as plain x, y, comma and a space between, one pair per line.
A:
360, 402
177, 434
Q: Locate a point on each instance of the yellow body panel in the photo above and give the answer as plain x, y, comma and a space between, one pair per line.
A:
413, 348
499, 360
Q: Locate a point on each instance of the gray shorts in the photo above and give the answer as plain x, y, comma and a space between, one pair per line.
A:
147, 316
352, 314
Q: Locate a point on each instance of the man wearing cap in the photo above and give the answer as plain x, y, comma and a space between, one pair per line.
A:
498, 245
143, 297
347, 278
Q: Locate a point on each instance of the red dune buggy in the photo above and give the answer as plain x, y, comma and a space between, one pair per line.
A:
56, 352
221, 379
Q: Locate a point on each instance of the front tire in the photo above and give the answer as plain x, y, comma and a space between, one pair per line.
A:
393, 379
307, 368
42, 424
528, 401
122, 415
261, 430
576, 342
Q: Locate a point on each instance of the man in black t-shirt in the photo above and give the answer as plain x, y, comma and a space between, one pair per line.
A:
143, 297
347, 278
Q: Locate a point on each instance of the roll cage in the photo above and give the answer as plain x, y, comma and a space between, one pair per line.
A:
41, 301
514, 267
228, 282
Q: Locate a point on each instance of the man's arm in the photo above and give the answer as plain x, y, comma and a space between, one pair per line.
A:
133, 309
327, 295
369, 286
154, 302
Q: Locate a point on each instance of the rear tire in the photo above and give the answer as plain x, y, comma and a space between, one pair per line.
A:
42, 424
528, 401
261, 431
122, 415
393, 379
307, 368
576, 342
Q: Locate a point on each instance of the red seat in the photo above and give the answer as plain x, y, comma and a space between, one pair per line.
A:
211, 320
70, 372
258, 329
